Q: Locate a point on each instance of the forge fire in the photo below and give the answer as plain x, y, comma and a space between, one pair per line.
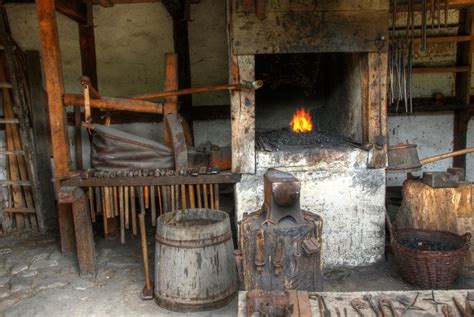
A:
302, 121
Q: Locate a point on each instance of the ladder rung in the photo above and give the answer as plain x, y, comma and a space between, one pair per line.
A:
5, 85
9, 121
20, 210
15, 152
10, 182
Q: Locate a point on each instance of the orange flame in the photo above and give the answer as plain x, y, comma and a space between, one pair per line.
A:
302, 121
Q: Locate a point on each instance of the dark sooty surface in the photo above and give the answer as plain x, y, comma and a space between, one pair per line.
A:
426, 245
281, 138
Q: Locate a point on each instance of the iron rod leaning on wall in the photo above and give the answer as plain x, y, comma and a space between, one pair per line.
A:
114, 103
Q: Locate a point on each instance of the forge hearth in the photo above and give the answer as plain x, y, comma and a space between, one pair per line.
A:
340, 80
287, 140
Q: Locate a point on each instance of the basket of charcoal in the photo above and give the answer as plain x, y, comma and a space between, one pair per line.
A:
430, 259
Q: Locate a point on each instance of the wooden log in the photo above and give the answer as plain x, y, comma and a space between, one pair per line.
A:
216, 197
45, 10
111, 103
91, 204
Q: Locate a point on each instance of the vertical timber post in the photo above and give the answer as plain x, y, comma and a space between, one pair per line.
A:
45, 10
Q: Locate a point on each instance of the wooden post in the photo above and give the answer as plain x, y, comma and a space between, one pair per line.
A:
242, 67
83, 227
171, 83
45, 10
376, 109
178, 10
40, 125
463, 85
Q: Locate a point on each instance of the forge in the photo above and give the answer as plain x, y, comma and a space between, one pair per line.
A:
340, 161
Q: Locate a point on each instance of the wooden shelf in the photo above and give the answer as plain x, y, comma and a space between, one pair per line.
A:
222, 178
444, 69
427, 105
445, 39
452, 4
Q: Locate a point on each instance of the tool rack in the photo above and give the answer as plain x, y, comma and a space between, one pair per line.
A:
74, 220
460, 104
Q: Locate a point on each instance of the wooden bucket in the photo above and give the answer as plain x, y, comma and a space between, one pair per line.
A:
194, 263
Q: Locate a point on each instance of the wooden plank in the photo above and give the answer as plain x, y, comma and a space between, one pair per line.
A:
445, 39
377, 109
84, 237
45, 10
40, 126
171, 83
445, 69
307, 31
223, 178
311, 5
243, 115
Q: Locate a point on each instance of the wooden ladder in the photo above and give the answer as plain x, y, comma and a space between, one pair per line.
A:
24, 202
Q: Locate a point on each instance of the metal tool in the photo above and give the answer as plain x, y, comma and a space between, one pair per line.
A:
358, 305
368, 298
446, 310
384, 302
433, 301
411, 305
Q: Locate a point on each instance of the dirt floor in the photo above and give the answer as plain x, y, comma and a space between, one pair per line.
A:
36, 279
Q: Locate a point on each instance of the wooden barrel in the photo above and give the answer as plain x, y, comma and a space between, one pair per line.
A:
194, 264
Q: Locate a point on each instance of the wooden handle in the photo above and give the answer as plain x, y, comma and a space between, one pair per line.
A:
141, 220
446, 155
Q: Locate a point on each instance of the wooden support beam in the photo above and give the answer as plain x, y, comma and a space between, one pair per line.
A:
171, 83
82, 228
40, 126
179, 12
45, 10
111, 103
242, 67
463, 85
73, 9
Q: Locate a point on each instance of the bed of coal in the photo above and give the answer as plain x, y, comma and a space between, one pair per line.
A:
282, 139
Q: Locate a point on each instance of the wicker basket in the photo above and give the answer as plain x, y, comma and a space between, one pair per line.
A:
430, 269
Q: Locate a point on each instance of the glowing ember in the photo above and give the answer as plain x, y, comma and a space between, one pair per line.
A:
301, 122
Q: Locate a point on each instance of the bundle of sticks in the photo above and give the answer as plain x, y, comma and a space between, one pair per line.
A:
126, 202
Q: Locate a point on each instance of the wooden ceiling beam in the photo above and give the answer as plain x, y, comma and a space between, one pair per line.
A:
73, 9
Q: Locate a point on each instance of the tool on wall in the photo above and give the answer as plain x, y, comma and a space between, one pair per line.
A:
401, 48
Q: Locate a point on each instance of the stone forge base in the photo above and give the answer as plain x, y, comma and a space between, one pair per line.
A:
337, 185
